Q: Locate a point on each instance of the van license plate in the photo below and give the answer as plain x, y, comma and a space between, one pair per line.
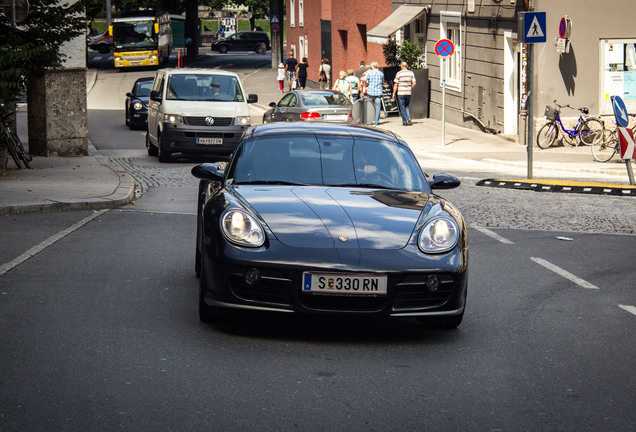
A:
209, 140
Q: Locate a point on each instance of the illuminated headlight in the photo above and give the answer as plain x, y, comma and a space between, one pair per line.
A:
241, 228
118, 59
152, 57
242, 121
137, 106
172, 118
440, 234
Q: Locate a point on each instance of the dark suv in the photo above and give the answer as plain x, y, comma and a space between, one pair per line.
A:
243, 41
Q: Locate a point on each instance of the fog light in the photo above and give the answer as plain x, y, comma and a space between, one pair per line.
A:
252, 276
432, 283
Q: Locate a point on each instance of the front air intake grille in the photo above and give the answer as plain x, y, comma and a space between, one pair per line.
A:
200, 121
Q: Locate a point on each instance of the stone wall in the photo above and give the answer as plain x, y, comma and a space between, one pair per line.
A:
57, 116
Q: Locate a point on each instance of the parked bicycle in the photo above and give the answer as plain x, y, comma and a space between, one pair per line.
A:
588, 130
604, 150
12, 142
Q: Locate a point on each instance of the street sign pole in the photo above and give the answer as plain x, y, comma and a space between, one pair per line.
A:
443, 101
530, 107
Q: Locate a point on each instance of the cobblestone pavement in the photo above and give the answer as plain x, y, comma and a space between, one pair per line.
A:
481, 206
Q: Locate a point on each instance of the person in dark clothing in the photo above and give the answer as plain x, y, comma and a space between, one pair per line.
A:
290, 69
302, 73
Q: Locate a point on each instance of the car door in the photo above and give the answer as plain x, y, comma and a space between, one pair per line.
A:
292, 110
154, 108
279, 111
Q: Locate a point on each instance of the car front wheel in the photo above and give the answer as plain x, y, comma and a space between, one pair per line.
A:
222, 49
152, 150
164, 155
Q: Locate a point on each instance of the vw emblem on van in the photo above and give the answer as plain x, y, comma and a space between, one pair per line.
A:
209, 121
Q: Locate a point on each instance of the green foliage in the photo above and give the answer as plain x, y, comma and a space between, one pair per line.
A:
410, 53
31, 48
390, 51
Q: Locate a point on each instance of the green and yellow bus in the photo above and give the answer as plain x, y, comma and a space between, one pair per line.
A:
141, 40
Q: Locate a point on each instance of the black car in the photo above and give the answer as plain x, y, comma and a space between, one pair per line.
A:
137, 103
257, 41
312, 106
326, 218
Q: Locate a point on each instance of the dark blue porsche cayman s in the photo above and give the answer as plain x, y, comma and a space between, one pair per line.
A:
323, 218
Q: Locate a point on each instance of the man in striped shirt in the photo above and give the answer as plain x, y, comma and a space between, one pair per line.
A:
402, 86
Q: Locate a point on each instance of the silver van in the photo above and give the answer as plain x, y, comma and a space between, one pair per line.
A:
196, 111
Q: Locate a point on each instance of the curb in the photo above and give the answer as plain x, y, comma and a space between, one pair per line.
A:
124, 194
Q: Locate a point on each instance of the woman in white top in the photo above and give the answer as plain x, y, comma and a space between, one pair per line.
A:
326, 68
343, 85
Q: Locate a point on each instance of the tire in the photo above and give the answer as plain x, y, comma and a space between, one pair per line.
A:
223, 49
22, 154
604, 150
261, 48
104, 49
152, 150
547, 135
14, 153
199, 239
164, 155
127, 119
591, 131
207, 314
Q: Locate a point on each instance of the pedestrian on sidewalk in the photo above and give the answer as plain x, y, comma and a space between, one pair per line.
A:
373, 80
343, 85
355, 82
402, 87
281, 77
302, 73
324, 74
290, 69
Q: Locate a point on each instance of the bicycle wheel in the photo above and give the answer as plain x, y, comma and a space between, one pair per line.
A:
590, 131
12, 151
547, 135
22, 153
604, 149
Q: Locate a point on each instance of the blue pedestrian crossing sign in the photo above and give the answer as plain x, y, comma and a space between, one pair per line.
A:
274, 19
532, 27
620, 111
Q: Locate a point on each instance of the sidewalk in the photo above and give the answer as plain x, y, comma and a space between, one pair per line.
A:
91, 182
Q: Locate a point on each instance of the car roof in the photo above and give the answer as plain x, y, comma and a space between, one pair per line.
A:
354, 130
201, 71
145, 79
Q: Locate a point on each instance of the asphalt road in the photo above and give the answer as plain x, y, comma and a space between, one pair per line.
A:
99, 327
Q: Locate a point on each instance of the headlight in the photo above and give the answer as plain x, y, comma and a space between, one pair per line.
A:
241, 228
242, 121
137, 106
440, 234
172, 118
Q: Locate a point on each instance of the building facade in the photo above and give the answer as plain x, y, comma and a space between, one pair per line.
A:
486, 77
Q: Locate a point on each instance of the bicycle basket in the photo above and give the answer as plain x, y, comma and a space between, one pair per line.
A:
551, 113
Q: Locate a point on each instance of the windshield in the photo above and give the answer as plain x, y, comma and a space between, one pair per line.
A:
204, 87
143, 88
134, 34
324, 99
327, 160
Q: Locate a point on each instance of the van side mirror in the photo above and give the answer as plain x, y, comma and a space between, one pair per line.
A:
252, 98
155, 95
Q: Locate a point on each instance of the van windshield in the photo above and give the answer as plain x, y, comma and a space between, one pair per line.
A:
204, 87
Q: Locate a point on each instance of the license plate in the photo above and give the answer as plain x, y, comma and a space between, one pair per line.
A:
209, 140
348, 284
336, 117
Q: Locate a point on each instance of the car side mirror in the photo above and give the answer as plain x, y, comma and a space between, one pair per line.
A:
444, 181
252, 98
272, 104
129, 94
155, 95
208, 171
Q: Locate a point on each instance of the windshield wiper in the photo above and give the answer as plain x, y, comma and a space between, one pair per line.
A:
271, 182
364, 185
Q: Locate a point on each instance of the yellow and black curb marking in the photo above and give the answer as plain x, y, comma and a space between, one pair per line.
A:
561, 186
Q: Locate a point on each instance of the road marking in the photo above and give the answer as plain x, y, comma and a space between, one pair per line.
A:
558, 270
630, 309
493, 235
48, 242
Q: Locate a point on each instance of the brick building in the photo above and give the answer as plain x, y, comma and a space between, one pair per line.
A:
336, 30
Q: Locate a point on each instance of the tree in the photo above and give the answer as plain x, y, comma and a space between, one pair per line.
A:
31, 48
410, 53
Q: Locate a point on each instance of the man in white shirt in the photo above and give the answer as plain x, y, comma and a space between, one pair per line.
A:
402, 87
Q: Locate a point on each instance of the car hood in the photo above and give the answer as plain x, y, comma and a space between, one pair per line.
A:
326, 217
